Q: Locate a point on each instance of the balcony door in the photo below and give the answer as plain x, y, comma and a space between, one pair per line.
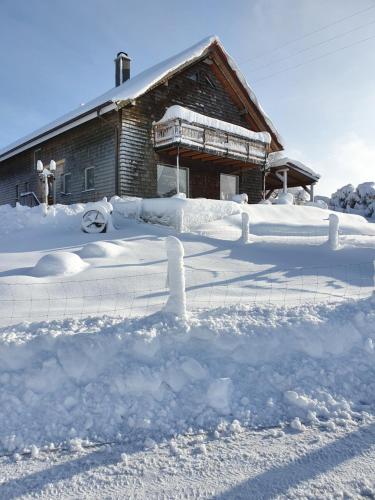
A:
229, 186
167, 180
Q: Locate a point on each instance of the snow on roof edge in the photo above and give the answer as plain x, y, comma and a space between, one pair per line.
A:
276, 160
140, 84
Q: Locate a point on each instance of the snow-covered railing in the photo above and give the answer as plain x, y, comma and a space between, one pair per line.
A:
225, 139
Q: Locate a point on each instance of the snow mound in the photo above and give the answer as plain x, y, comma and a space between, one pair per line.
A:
284, 199
100, 249
196, 211
20, 218
153, 377
58, 263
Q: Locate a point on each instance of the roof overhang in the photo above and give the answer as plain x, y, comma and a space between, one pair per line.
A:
298, 174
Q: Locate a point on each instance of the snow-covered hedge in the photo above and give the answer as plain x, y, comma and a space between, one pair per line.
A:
360, 200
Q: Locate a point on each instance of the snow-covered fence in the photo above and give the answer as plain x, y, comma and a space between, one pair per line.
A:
129, 294
209, 288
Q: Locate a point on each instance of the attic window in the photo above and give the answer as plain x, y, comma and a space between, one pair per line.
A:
201, 77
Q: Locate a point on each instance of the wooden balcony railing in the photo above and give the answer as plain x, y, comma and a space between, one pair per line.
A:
213, 141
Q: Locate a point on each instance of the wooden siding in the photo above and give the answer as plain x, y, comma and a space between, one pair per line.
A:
95, 144
90, 144
138, 160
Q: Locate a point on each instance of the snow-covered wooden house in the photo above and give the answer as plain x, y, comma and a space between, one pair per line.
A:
191, 119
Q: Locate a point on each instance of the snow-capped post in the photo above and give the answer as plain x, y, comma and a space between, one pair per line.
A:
138, 209
245, 227
176, 303
180, 220
333, 234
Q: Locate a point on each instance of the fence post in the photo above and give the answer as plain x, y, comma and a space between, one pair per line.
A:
245, 227
180, 220
333, 232
176, 303
138, 213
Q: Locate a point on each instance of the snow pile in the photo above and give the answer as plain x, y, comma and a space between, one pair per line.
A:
13, 219
360, 200
284, 199
151, 378
100, 249
196, 211
58, 263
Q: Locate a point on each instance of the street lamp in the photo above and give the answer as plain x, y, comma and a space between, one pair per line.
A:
47, 176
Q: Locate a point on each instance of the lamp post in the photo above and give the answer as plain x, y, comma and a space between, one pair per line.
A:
47, 176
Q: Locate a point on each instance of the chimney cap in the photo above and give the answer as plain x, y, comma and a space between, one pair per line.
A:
123, 54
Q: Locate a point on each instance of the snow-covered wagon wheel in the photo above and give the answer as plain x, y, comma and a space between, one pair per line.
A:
95, 220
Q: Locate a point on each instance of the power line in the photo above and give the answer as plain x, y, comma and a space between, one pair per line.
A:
313, 46
316, 58
309, 34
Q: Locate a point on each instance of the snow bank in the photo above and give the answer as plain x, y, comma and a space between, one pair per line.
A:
288, 220
196, 211
99, 249
19, 218
58, 263
69, 380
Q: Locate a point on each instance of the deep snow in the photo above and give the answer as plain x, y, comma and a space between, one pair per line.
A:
279, 335
155, 377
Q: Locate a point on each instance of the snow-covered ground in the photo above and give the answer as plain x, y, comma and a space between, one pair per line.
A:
268, 383
123, 272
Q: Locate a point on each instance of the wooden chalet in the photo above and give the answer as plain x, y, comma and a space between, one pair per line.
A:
191, 120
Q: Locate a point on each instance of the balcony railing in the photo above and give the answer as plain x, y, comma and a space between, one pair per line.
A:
207, 139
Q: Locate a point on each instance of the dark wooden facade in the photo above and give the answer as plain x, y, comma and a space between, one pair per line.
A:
119, 144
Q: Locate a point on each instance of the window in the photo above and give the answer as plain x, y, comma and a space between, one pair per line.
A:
167, 180
89, 178
229, 186
17, 192
26, 187
37, 156
65, 183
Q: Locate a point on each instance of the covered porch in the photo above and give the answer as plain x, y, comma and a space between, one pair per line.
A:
283, 173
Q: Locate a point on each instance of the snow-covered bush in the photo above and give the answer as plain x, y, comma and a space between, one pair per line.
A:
360, 200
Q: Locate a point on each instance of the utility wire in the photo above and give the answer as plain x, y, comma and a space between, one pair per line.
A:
316, 58
313, 46
308, 34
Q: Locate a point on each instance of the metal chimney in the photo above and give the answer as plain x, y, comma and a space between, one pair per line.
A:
122, 63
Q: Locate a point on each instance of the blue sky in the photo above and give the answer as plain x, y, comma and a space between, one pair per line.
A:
57, 54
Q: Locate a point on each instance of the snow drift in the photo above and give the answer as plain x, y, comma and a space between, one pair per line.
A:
105, 378
58, 263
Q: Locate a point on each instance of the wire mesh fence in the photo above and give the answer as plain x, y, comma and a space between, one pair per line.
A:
208, 289
127, 296
131, 295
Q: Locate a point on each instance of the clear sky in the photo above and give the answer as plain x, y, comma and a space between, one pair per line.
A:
56, 54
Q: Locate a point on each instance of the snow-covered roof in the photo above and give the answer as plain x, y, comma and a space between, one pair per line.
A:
278, 160
176, 111
130, 90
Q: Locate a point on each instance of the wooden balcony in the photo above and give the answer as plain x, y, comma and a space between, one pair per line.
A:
212, 142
